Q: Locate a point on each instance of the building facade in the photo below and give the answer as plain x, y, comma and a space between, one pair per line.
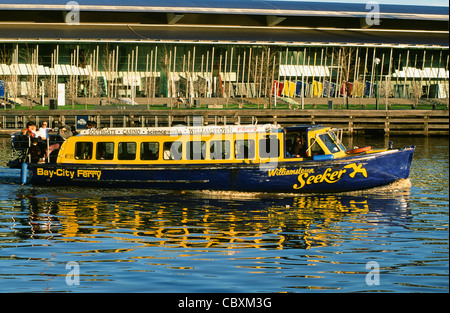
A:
143, 52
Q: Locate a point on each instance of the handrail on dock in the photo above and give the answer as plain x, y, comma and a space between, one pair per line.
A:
399, 122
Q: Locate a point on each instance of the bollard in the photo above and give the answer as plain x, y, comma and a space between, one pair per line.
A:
330, 104
53, 104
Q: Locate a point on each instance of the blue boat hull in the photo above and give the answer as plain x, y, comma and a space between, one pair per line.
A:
347, 174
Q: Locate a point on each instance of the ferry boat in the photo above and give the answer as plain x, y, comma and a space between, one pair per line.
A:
254, 158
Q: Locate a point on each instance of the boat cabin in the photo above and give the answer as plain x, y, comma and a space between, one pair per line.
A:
319, 142
207, 144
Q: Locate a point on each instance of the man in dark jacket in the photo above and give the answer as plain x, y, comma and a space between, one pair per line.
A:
37, 154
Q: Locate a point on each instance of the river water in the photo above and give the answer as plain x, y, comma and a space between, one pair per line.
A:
391, 239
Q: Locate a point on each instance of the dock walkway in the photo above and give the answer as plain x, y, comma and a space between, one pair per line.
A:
389, 122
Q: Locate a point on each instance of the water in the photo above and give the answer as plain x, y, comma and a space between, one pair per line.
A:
391, 239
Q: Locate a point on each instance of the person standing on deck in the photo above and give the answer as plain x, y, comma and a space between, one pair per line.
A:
43, 131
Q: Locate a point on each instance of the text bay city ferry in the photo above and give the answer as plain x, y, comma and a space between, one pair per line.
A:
256, 158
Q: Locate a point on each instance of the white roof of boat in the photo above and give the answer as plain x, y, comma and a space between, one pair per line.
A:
181, 130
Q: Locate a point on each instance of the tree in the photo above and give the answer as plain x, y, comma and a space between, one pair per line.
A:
5, 61
387, 91
346, 65
416, 91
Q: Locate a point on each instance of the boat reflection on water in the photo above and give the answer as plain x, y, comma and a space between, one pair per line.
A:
207, 220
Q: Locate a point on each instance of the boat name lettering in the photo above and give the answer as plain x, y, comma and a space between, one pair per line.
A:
308, 176
328, 176
89, 174
284, 172
67, 173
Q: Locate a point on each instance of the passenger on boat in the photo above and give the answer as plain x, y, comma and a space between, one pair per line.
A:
22, 140
91, 125
31, 126
101, 151
36, 152
43, 134
298, 148
65, 132
43, 131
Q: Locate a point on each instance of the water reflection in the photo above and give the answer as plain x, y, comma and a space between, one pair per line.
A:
137, 240
203, 221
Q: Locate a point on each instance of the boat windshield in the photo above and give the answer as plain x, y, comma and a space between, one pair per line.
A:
337, 141
329, 142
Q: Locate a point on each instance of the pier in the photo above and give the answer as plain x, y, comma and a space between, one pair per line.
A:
387, 122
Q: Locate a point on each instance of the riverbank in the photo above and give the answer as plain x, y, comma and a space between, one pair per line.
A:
156, 103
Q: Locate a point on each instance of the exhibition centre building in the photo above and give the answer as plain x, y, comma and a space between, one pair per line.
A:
138, 51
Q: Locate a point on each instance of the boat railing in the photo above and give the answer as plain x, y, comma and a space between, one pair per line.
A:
339, 133
20, 146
